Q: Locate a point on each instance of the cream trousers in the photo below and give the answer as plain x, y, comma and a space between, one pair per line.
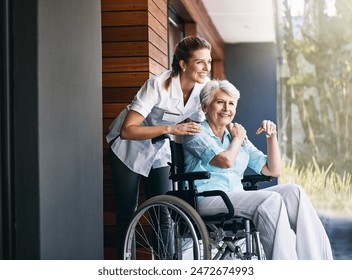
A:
289, 226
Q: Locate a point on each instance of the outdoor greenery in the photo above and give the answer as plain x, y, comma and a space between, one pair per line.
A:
316, 100
329, 191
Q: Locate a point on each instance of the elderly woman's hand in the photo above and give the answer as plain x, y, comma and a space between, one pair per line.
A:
237, 131
269, 127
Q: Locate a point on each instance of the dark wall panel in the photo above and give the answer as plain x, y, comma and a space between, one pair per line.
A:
24, 103
251, 67
57, 103
70, 127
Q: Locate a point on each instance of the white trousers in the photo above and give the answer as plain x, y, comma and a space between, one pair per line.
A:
289, 226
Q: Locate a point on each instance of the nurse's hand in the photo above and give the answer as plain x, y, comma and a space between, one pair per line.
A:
188, 128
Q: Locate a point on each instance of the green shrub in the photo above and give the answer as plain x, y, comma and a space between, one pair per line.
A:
329, 191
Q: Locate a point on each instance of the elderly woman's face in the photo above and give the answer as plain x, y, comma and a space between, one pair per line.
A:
222, 109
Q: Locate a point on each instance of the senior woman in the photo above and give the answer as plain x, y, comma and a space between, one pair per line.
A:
283, 214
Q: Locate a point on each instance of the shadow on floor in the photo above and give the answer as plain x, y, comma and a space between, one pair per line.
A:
339, 230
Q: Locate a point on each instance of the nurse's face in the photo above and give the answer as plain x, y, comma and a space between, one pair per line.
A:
221, 110
198, 67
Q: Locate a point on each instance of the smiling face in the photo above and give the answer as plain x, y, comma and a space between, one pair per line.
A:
221, 110
198, 66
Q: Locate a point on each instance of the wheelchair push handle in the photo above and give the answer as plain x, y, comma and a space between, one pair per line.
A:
160, 138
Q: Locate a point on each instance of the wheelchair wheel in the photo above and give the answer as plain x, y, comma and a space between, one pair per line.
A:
166, 228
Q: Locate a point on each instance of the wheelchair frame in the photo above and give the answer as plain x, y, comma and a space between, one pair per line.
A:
169, 227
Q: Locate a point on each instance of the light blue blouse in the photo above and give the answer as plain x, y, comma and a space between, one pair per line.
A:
201, 148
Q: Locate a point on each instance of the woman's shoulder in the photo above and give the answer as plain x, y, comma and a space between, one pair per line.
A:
203, 136
161, 77
158, 81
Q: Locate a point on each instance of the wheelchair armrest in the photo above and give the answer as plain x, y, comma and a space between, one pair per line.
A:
190, 196
251, 182
225, 198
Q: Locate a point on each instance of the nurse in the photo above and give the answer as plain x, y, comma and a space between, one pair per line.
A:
167, 103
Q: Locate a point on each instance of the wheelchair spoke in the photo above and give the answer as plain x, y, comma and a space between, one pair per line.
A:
162, 230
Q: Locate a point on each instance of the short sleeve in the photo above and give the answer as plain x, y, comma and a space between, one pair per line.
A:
202, 146
145, 99
257, 159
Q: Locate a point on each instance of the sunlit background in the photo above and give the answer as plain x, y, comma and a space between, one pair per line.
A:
314, 103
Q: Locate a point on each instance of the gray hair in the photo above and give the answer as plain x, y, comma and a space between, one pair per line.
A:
208, 91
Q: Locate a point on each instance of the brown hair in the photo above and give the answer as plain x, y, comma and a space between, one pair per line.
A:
184, 51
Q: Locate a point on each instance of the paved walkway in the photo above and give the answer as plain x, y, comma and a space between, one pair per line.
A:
339, 231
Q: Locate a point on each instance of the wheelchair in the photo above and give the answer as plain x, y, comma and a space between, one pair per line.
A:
169, 227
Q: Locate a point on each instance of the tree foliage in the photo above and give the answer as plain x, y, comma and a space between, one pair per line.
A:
319, 84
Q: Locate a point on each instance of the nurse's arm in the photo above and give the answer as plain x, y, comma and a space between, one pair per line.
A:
132, 128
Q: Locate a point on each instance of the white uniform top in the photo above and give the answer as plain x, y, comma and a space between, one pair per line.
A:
159, 107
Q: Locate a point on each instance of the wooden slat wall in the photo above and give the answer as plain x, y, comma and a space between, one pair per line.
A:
134, 44
135, 47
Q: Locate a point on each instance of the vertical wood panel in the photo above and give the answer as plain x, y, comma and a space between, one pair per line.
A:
125, 64
125, 34
124, 49
130, 18
134, 45
124, 5
158, 10
119, 94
